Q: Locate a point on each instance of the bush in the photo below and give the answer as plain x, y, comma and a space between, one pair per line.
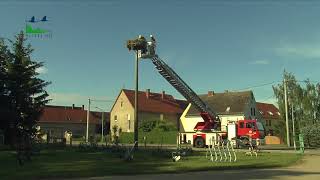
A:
147, 126
166, 126
311, 134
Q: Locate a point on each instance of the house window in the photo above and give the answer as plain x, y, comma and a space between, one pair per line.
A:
268, 122
115, 118
129, 122
129, 125
251, 111
161, 117
121, 103
254, 111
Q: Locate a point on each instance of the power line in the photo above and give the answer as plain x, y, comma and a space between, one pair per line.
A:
256, 86
268, 98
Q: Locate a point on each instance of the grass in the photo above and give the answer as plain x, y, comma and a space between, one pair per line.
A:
70, 163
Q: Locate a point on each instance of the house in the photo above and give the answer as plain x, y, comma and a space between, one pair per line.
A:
56, 120
229, 106
270, 113
151, 106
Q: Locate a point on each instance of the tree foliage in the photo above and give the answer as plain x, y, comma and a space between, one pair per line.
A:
303, 104
22, 92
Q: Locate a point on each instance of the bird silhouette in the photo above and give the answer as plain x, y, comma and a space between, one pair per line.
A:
32, 20
44, 19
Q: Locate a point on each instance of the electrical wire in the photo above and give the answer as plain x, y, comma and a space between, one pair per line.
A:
256, 86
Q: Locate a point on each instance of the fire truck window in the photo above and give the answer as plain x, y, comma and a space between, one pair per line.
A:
241, 125
248, 125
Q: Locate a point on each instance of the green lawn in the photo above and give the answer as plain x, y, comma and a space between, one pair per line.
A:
70, 163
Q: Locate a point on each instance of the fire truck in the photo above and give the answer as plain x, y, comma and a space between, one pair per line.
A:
210, 128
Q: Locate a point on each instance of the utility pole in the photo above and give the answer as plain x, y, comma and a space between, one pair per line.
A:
293, 128
88, 116
136, 101
286, 110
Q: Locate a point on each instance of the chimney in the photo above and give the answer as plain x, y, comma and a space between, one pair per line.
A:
163, 94
210, 93
148, 93
72, 106
82, 107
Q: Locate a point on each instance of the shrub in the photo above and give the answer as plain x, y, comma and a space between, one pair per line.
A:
148, 125
311, 134
166, 126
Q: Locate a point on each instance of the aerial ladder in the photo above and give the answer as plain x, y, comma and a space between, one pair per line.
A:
146, 50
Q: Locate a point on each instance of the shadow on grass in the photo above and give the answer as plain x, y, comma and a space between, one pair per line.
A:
244, 174
73, 164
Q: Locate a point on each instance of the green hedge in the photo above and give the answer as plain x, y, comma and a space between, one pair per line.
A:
152, 137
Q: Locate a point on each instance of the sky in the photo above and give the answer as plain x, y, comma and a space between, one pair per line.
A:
213, 45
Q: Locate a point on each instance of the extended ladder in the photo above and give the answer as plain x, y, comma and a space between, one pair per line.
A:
206, 112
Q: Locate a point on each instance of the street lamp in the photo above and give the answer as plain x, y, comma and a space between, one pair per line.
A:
102, 117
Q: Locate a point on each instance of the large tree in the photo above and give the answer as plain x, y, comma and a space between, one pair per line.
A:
303, 104
25, 90
4, 92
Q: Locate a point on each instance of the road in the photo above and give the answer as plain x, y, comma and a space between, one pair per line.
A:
307, 169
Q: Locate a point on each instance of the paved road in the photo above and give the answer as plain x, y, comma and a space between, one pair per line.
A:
308, 169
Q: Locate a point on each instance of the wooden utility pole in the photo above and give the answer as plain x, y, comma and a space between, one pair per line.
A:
136, 125
286, 110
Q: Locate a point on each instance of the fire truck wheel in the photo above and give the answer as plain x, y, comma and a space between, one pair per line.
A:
199, 142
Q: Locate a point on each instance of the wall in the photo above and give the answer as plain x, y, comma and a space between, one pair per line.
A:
124, 112
58, 129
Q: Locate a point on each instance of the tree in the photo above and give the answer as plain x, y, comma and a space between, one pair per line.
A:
4, 91
25, 91
305, 100
294, 96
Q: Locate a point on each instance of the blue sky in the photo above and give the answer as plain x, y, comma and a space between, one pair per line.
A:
212, 45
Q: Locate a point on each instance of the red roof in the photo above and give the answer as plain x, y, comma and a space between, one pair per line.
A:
61, 114
155, 103
268, 111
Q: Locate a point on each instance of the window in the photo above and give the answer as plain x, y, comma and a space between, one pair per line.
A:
128, 117
161, 117
121, 103
129, 124
115, 118
270, 113
241, 124
254, 111
248, 125
251, 111
268, 122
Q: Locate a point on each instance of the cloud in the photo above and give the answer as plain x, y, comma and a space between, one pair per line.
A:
42, 70
300, 50
260, 62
